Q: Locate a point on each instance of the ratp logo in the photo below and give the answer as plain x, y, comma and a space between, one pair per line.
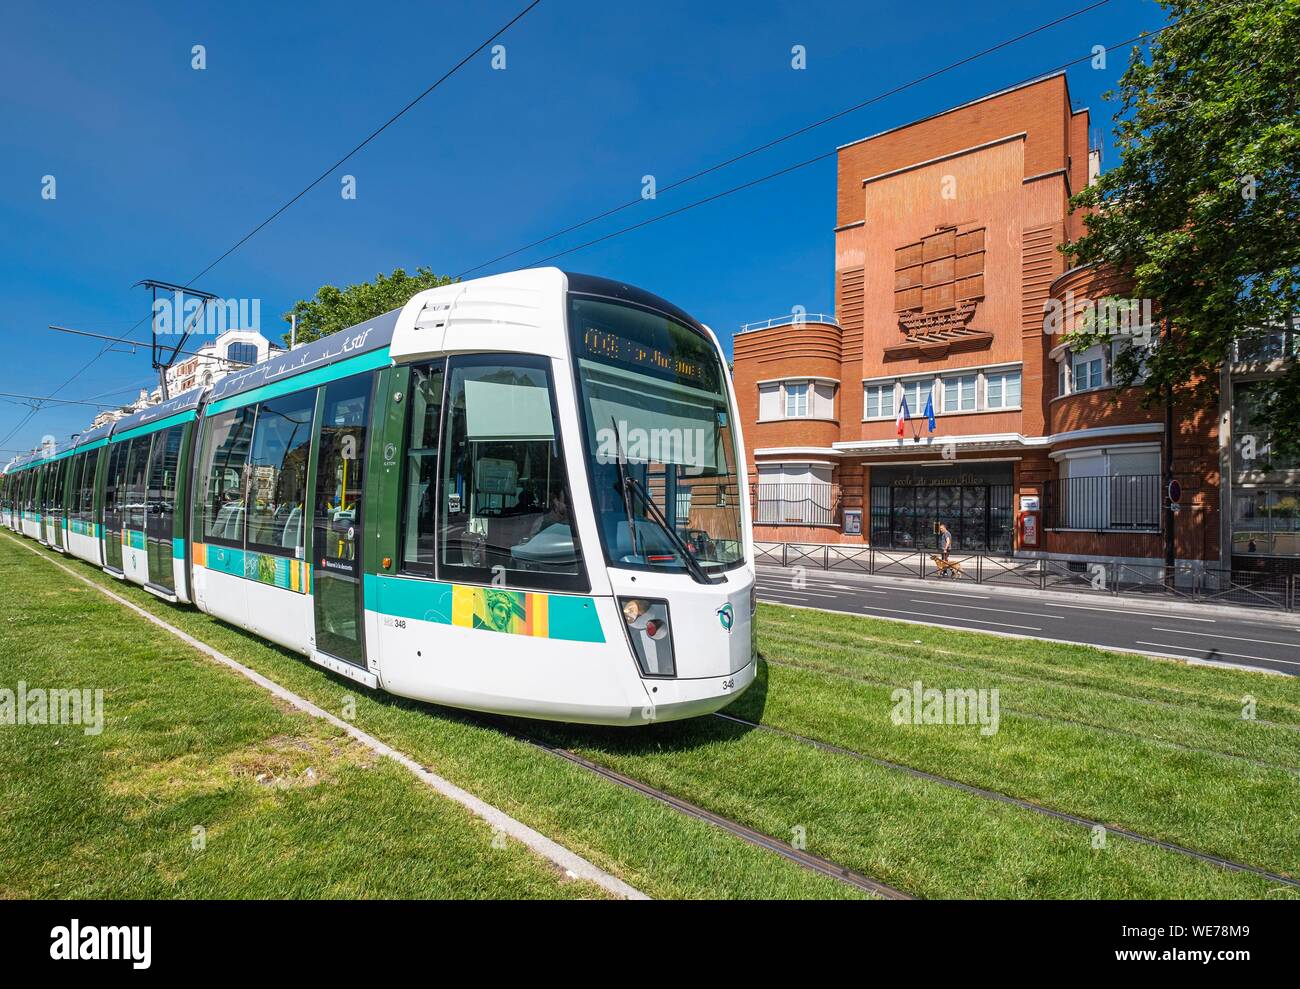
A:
727, 616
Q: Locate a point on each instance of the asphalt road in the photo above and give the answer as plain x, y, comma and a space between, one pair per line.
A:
1269, 641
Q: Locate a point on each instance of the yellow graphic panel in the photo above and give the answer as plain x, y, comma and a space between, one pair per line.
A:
514, 612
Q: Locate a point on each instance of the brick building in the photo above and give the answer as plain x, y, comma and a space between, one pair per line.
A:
952, 296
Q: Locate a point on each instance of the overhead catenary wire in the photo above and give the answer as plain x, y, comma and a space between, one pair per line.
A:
306, 189
1147, 36
1143, 37
933, 74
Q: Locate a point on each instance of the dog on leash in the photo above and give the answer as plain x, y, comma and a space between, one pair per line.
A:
946, 568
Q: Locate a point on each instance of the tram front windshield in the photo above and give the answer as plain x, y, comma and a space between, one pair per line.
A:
659, 437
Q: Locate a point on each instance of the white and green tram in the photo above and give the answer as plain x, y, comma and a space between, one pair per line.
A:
522, 494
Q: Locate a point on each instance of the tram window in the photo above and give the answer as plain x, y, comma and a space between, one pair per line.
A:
278, 473
161, 489
133, 506
115, 463
504, 498
87, 493
225, 453
422, 467
76, 464
60, 471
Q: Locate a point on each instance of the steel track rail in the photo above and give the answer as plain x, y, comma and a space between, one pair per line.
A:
1055, 719
1004, 798
808, 860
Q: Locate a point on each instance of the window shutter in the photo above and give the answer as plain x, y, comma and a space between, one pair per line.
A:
824, 398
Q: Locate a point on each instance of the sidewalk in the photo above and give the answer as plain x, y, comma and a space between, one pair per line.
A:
1134, 602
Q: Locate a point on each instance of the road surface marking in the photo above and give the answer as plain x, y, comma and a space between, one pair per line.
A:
926, 614
980, 607
1220, 652
1231, 638
1126, 611
951, 594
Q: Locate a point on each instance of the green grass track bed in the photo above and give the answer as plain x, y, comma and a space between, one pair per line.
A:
1159, 748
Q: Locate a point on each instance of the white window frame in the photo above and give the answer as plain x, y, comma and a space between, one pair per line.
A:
788, 398
795, 493
959, 378
1095, 353
907, 384
887, 407
1003, 376
1121, 344
1097, 513
896, 388
794, 391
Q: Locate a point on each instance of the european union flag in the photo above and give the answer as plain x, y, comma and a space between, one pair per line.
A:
929, 412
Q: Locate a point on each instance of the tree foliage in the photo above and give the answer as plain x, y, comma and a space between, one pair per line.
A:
335, 308
1203, 209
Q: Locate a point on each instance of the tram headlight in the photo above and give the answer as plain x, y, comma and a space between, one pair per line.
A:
649, 632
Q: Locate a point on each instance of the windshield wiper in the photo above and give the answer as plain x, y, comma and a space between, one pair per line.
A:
657, 516
623, 491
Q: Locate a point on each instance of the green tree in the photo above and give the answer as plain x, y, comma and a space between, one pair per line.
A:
335, 308
1203, 209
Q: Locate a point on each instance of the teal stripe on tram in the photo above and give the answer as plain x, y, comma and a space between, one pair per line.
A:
570, 617
223, 559
575, 618
153, 427
92, 446
308, 379
178, 549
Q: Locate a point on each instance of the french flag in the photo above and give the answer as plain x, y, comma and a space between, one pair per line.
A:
903, 415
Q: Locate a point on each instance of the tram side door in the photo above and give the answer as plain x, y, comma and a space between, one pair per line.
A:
160, 506
112, 534
337, 521
58, 471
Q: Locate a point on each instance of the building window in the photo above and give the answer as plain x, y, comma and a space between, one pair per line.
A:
1002, 390
1088, 370
959, 393
1267, 346
242, 353
794, 494
878, 401
975, 390
1266, 521
1252, 445
916, 392
796, 401
1107, 489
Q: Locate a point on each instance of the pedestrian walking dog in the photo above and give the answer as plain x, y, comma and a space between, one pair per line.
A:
946, 568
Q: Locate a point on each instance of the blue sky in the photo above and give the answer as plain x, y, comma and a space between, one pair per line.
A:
161, 168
